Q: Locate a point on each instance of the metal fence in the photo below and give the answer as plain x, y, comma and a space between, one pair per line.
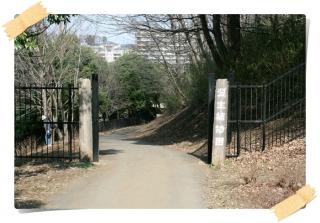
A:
265, 115
60, 103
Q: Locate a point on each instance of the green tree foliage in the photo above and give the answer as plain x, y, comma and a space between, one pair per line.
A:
270, 46
58, 59
273, 46
91, 63
27, 39
90, 40
255, 48
140, 80
198, 80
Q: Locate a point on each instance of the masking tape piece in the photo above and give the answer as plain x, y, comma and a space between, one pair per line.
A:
294, 203
307, 193
26, 19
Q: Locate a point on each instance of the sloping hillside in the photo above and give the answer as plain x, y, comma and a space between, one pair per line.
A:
186, 130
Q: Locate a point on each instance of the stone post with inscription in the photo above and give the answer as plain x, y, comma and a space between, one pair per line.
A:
220, 123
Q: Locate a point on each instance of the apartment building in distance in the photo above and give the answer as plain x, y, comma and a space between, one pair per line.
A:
156, 48
113, 50
110, 51
159, 47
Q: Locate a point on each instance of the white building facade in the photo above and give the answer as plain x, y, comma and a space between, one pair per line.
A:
113, 51
157, 47
110, 51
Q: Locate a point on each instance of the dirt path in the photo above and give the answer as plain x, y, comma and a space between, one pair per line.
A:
132, 174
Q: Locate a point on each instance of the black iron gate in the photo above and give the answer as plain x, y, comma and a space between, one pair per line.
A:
268, 114
60, 105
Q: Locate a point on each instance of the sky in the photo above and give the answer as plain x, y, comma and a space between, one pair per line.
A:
84, 27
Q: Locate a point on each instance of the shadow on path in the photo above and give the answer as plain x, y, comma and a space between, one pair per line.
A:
109, 152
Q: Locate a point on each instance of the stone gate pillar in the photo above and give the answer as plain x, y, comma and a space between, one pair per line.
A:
219, 139
85, 120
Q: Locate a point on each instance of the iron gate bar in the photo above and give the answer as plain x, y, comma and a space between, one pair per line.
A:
25, 107
53, 122
286, 73
277, 108
95, 116
238, 119
246, 86
246, 121
31, 147
245, 115
46, 94
264, 118
41, 109
28, 111
46, 87
285, 109
69, 120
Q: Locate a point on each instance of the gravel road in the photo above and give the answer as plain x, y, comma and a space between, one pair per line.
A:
133, 174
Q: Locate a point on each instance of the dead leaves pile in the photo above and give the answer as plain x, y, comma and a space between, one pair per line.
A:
266, 178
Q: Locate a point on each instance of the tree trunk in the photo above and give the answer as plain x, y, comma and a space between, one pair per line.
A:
234, 38
167, 66
216, 57
216, 21
187, 35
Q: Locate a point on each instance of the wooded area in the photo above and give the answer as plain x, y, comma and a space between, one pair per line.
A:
246, 49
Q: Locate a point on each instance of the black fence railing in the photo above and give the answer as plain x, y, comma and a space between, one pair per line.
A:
265, 115
60, 105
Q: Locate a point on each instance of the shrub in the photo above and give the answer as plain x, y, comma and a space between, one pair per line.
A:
291, 177
251, 174
172, 103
